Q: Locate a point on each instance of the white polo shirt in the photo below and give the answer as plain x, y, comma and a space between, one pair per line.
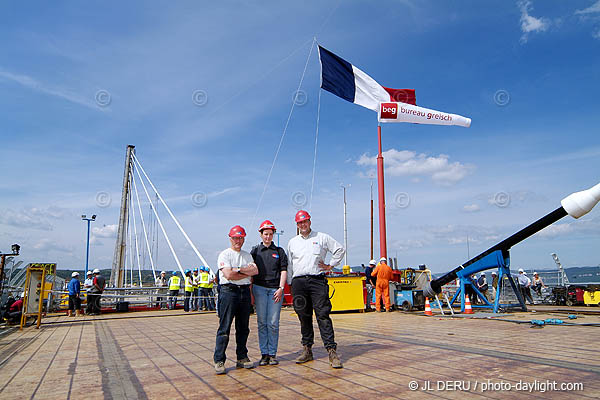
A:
233, 259
304, 254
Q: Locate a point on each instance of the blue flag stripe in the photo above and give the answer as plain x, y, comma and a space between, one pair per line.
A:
337, 76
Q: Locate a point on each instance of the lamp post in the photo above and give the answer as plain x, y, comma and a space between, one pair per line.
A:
15, 252
87, 249
345, 227
278, 234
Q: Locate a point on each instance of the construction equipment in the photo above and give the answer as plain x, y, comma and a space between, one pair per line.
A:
498, 256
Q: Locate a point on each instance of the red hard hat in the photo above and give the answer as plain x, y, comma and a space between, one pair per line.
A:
302, 215
266, 224
237, 231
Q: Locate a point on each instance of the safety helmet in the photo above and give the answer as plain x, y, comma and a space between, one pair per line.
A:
483, 274
96, 271
266, 224
535, 273
90, 272
74, 274
372, 262
494, 273
187, 271
196, 269
302, 215
521, 270
383, 259
237, 231
163, 272
174, 272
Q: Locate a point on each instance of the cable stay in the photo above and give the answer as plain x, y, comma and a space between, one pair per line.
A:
169, 211
144, 229
162, 228
135, 235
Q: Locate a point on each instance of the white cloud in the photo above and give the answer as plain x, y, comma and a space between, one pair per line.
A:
47, 244
107, 231
471, 208
409, 163
25, 218
55, 91
530, 24
594, 8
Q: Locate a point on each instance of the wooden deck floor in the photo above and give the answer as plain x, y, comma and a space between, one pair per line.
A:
168, 355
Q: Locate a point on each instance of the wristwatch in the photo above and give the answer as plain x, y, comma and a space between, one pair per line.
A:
239, 269
281, 287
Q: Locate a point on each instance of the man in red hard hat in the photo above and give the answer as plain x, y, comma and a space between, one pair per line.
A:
267, 287
306, 274
235, 269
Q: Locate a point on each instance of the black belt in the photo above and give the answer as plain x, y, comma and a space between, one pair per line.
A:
234, 286
320, 276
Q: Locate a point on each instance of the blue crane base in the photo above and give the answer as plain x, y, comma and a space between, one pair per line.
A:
499, 260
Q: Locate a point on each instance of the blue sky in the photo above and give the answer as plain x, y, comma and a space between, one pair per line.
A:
79, 82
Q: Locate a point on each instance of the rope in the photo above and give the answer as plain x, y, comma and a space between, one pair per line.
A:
170, 213
312, 184
162, 228
282, 135
144, 228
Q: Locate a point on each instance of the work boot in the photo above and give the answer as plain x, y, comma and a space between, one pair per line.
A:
306, 355
244, 363
264, 360
334, 360
273, 360
220, 368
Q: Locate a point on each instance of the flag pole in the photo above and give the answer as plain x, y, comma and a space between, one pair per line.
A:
381, 198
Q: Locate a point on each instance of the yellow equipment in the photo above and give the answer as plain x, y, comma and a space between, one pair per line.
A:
346, 293
591, 296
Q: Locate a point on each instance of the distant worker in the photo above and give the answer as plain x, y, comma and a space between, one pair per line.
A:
196, 281
15, 311
306, 274
188, 290
524, 284
370, 282
483, 286
74, 287
537, 284
204, 290
383, 272
99, 284
212, 280
267, 287
161, 284
235, 271
88, 284
494, 284
174, 286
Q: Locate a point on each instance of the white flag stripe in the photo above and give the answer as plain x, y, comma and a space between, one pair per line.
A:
368, 92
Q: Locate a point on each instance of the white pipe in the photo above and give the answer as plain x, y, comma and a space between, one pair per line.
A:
171, 214
135, 235
162, 228
144, 228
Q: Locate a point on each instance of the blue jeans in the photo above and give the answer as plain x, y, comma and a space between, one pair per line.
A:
234, 302
267, 316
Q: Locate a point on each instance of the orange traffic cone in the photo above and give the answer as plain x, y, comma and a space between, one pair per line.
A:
468, 309
427, 307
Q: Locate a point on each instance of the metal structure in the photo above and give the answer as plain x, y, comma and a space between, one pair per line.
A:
345, 225
14, 252
116, 274
498, 256
562, 277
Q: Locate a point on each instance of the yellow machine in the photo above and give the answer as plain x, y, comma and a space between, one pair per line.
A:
346, 293
591, 296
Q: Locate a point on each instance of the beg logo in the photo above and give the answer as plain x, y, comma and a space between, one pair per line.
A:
389, 110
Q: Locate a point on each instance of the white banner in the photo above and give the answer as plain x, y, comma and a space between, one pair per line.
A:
403, 112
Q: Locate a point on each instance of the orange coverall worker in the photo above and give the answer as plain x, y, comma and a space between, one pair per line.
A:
383, 272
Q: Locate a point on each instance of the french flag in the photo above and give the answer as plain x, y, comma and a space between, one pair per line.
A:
343, 79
